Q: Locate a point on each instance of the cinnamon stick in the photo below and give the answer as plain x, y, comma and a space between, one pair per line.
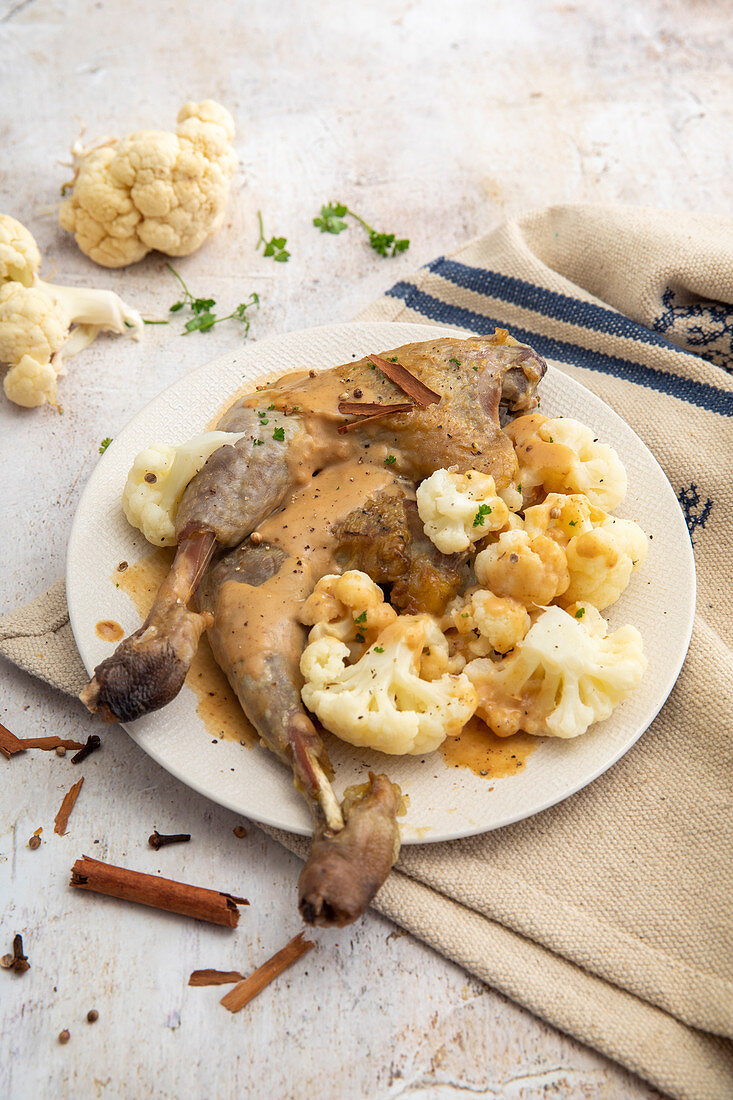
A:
159, 893
387, 410
215, 977
62, 817
367, 408
243, 993
407, 382
9, 743
49, 743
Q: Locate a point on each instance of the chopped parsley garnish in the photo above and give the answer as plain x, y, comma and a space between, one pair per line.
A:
393, 359
275, 247
379, 649
279, 435
580, 613
257, 442
104, 444
456, 361
483, 511
573, 523
519, 487
359, 636
272, 406
361, 618
390, 460
331, 220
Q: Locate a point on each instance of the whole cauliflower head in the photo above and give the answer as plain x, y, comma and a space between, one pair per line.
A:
561, 455
388, 699
488, 623
601, 551
350, 607
158, 478
532, 571
459, 509
154, 189
20, 260
565, 675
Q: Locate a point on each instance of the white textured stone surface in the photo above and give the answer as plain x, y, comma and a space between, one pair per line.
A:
434, 120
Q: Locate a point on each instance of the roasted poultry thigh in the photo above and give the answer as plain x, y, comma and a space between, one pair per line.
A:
301, 494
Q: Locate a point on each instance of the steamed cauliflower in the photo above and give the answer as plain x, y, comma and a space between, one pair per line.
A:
601, 551
459, 509
532, 571
566, 674
153, 189
20, 260
350, 607
561, 455
488, 623
43, 325
158, 478
398, 697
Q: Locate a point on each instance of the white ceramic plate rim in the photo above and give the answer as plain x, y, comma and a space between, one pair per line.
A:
77, 581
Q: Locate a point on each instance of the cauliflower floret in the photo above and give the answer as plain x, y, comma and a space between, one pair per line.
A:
488, 622
601, 562
158, 478
20, 260
30, 383
561, 455
153, 189
601, 551
532, 571
566, 674
36, 319
385, 701
459, 509
350, 607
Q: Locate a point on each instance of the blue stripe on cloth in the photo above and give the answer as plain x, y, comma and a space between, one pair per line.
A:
550, 303
696, 393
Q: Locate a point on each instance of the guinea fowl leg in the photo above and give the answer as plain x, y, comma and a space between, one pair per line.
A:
256, 638
147, 669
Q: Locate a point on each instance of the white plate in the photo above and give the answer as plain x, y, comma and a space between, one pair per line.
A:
444, 802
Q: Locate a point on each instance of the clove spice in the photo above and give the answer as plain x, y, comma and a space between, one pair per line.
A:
18, 961
92, 744
162, 840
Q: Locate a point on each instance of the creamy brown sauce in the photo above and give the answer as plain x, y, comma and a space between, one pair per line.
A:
487, 755
108, 630
217, 706
301, 528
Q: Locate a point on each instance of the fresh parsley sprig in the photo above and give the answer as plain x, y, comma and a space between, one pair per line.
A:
275, 247
202, 308
483, 511
105, 444
331, 220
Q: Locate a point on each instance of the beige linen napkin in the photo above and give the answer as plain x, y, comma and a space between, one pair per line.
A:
610, 914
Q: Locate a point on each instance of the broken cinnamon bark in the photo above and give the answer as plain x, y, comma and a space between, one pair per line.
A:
243, 993
9, 743
381, 412
62, 817
407, 382
199, 902
215, 977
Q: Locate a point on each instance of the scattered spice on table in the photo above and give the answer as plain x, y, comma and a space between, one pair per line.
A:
35, 840
93, 743
92, 1016
162, 840
64, 1036
62, 817
239, 831
199, 902
18, 960
243, 993
215, 977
